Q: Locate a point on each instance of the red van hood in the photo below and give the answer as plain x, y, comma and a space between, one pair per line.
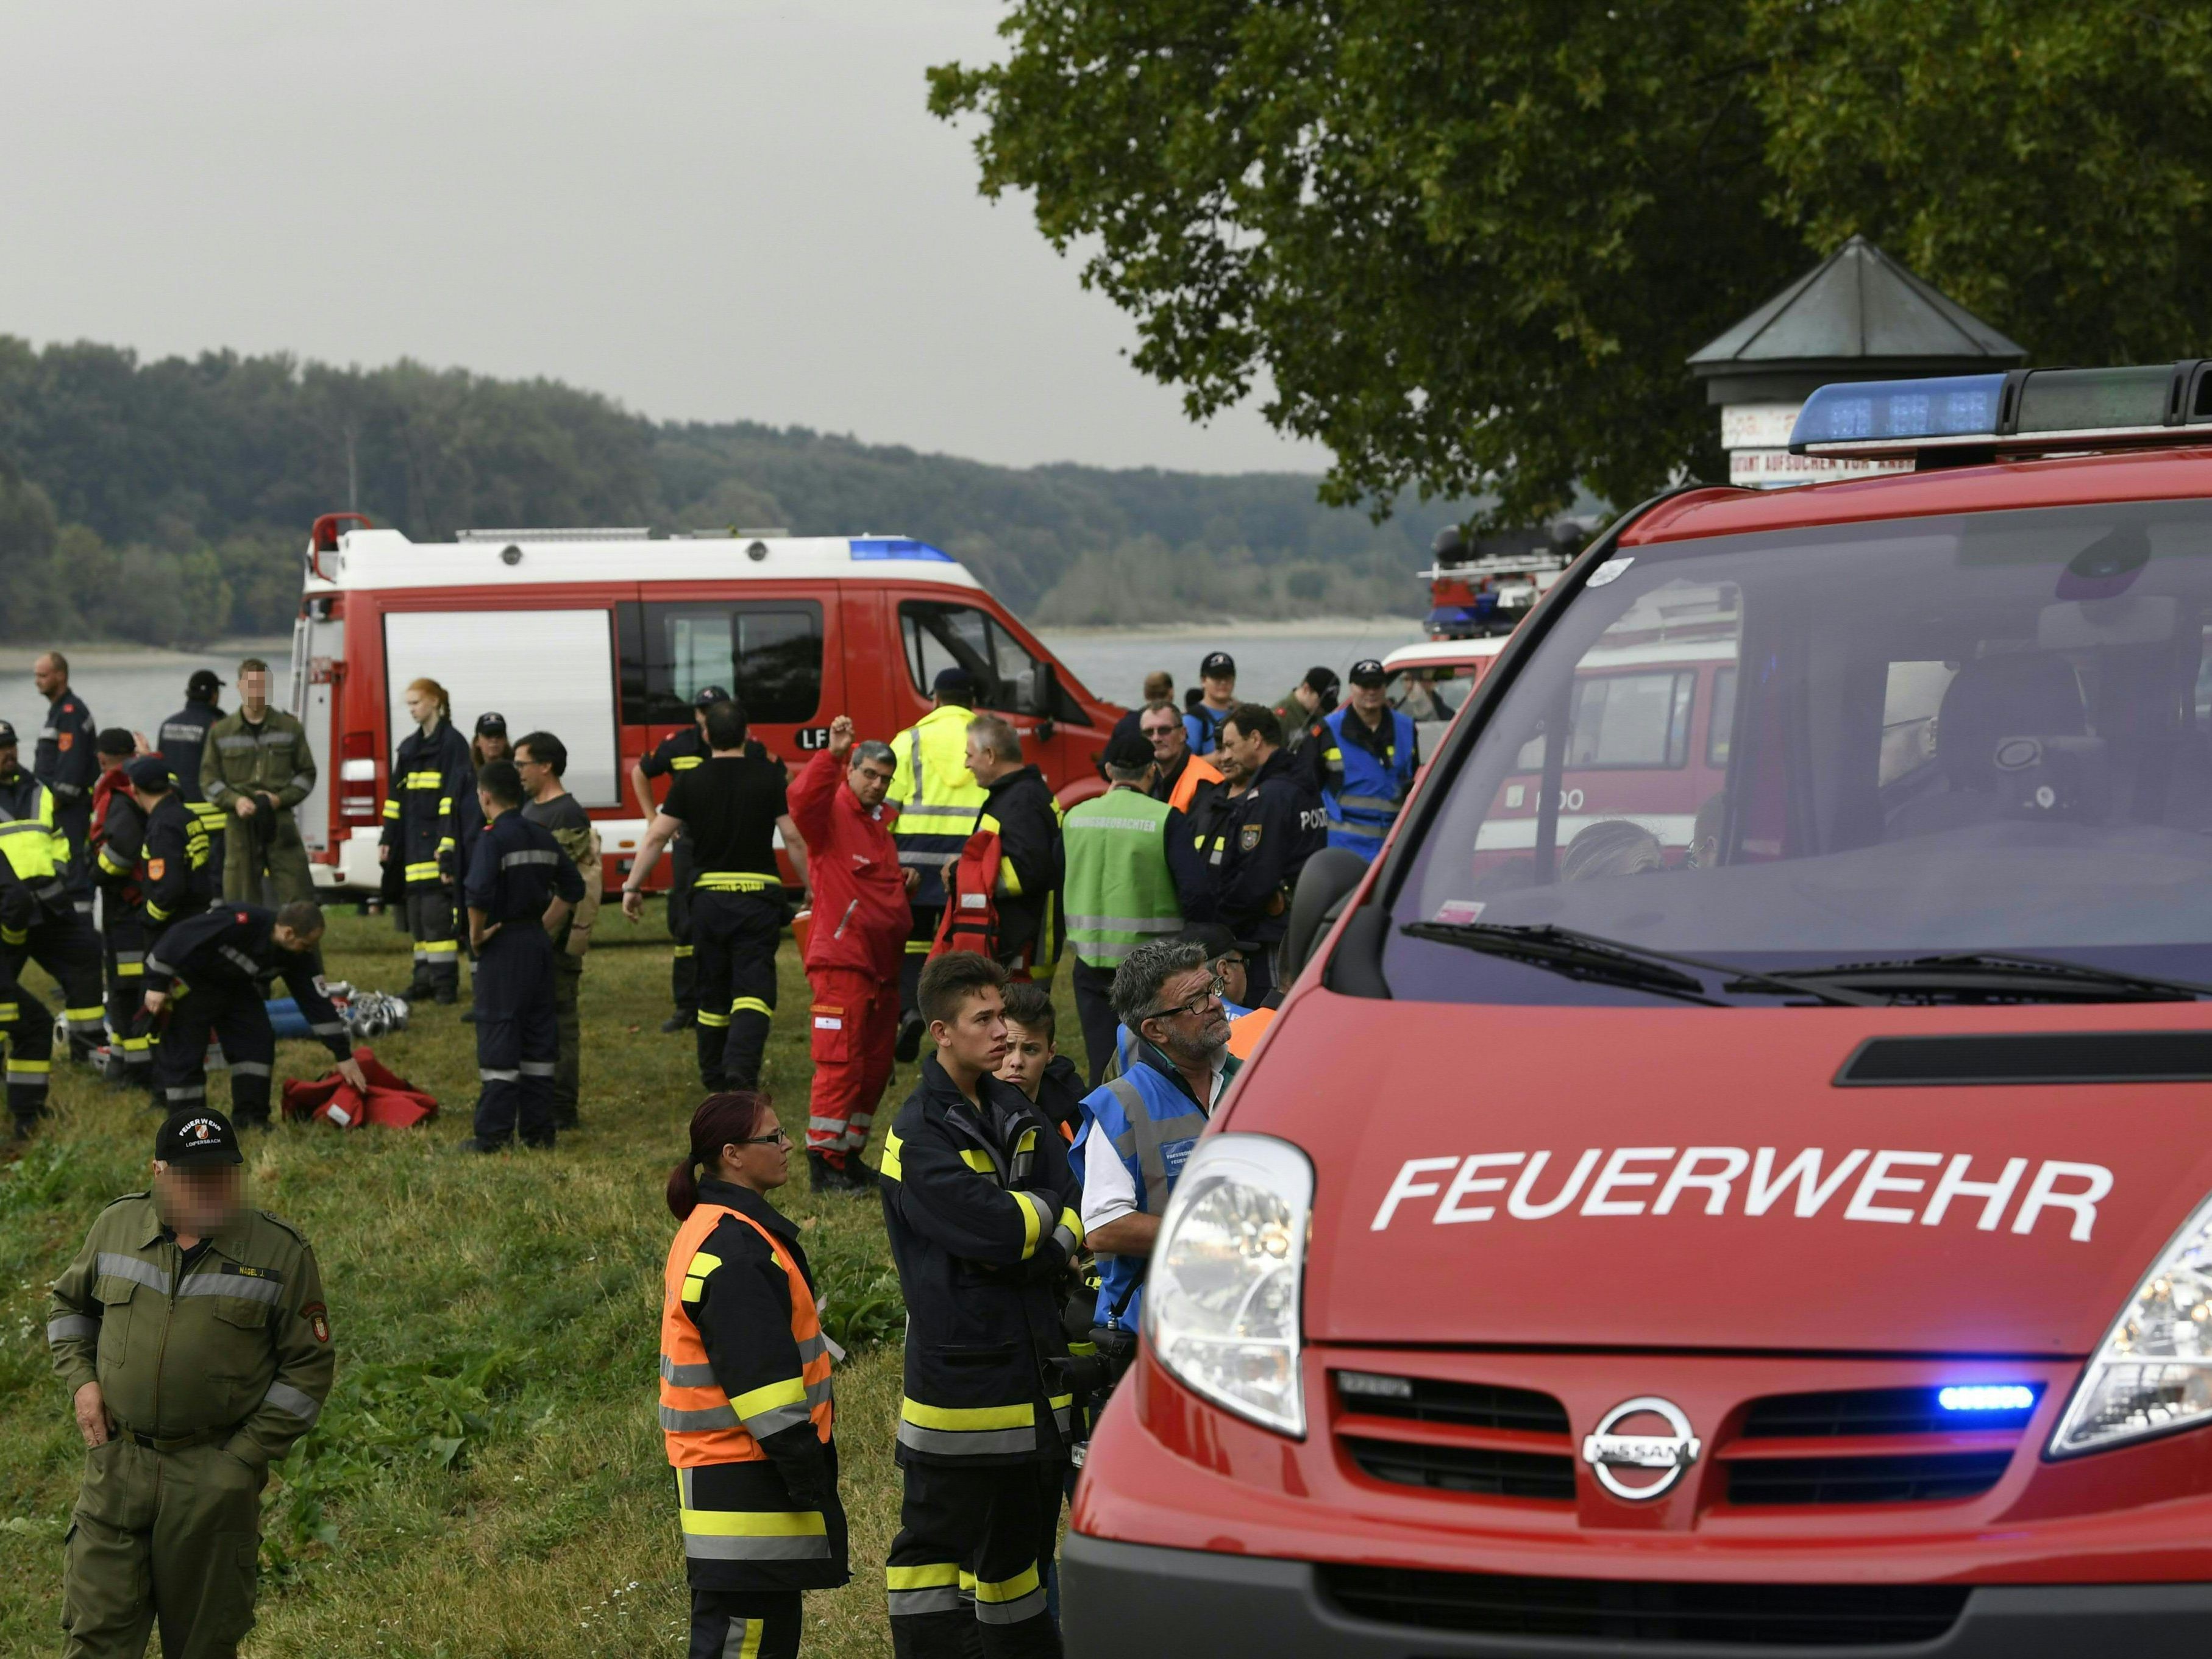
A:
1720, 1190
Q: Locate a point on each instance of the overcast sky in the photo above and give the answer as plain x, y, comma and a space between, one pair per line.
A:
709, 209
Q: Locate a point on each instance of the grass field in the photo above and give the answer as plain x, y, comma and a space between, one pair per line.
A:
488, 1478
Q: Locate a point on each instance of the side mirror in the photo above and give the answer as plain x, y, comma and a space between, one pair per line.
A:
1046, 730
1324, 885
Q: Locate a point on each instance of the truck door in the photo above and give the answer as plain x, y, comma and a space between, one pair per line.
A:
317, 662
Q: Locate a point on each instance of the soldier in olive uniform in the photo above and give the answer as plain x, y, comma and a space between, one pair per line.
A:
257, 767
192, 1333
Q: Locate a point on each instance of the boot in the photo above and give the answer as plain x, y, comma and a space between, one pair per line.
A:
824, 1176
908, 1044
681, 1020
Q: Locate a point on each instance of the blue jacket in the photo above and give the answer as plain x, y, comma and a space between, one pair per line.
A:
1363, 789
1202, 725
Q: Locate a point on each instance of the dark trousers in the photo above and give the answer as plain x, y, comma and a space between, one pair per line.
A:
63, 942
123, 944
966, 1573
437, 945
762, 1626
920, 937
684, 967
518, 1039
233, 1014
734, 937
1259, 975
568, 1037
1094, 1011
28, 1027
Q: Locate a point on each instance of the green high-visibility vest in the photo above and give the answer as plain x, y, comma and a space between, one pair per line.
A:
1119, 891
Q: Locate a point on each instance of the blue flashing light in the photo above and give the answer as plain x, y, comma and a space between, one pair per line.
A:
1987, 1396
1949, 406
896, 547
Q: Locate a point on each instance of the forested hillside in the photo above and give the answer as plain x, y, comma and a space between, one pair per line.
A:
166, 502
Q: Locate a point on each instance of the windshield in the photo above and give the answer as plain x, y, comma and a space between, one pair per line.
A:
1989, 732
1429, 696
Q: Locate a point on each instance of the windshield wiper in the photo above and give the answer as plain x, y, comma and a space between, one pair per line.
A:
2005, 974
1602, 961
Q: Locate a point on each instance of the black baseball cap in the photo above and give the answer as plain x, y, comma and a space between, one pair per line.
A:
7, 735
114, 740
1368, 671
491, 725
1218, 938
196, 1138
1130, 750
954, 681
147, 772
1320, 679
709, 695
203, 687
1218, 665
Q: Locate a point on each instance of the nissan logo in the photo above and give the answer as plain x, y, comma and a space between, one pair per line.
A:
1670, 1454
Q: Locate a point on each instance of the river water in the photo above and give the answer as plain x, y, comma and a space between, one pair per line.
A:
140, 689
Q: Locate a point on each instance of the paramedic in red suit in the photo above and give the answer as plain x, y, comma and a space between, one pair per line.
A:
854, 950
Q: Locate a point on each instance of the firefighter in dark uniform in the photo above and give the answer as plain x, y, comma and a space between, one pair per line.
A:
207, 976
745, 1400
155, 870
40, 921
1256, 836
673, 758
65, 761
183, 736
731, 806
191, 1334
982, 1213
177, 871
118, 845
1020, 808
430, 824
521, 885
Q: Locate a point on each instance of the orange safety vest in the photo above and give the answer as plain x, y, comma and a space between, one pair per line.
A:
1196, 770
701, 1423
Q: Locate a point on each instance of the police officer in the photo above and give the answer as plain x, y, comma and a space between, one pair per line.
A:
936, 802
207, 977
1019, 808
430, 824
1256, 834
519, 886
119, 846
746, 1398
981, 1207
674, 756
256, 766
191, 1333
1132, 870
39, 917
730, 806
66, 763
183, 736
541, 758
1369, 754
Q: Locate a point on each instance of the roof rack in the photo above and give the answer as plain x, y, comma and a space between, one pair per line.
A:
577, 533
1956, 420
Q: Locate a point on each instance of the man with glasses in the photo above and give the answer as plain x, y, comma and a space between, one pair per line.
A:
1139, 1130
1181, 774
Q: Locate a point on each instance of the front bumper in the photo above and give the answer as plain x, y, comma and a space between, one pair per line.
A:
1119, 1599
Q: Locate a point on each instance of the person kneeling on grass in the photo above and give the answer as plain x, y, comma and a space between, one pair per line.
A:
746, 1402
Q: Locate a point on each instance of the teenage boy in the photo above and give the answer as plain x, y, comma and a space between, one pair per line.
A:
1034, 1063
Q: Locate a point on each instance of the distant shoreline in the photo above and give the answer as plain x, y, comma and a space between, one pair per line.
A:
121, 653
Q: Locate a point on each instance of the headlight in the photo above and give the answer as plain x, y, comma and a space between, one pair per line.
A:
1221, 1301
2154, 1371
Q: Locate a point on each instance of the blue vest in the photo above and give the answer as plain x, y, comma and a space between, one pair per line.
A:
1202, 725
1147, 1120
1368, 788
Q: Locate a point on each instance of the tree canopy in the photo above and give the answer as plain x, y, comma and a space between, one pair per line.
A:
1467, 244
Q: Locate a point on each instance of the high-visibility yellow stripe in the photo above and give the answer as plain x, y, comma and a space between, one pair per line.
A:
754, 1401
683, 951
441, 947
694, 1288
1031, 1226
1023, 1416
1073, 1222
931, 1577
702, 1264
891, 1168
979, 1161
129, 969
714, 1022
752, 1006
1008, 1589
755, 1524
391, 808
29, 1067
1009, 879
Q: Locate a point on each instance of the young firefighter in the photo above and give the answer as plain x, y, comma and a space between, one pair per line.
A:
1034, 1063
980, 1205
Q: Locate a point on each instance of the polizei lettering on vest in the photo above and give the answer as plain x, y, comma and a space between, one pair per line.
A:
1883, 1186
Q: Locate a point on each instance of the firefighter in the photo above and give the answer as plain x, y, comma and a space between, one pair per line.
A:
183, 736
520, 884
207, 977
1369, 753
542, 759
852, 951
256, 766
1019, 809
731, 806
981, 1207
430, 825
119, 846
937, 801
66, 763
191, 1333
745, 1404
41, 922
674, 756
1256, 834
176, 870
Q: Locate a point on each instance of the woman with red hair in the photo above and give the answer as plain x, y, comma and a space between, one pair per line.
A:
745, 1402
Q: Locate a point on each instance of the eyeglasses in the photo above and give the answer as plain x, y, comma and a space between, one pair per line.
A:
1198, 1004
781, 1138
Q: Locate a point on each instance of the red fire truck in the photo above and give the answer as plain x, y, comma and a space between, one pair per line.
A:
1801, 1246
603, 636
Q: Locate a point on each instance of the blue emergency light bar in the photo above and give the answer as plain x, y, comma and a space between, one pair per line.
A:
1982, 1397
2027, 410
896, 547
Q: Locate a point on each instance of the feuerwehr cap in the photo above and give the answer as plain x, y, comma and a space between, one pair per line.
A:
199, 1137
1218, 665
491, 725
203, 687
709, 695
1130, 750
147, 772
1368, 671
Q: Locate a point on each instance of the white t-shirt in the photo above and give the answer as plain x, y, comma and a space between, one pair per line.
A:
1107, 1192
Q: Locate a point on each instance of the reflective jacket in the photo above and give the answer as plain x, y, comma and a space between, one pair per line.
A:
1131, 870
1190, 777
745, 1400
1363, 790
936, 795
431, 816
184, 739
118, 834
242, 759
1148, 1118
1020, 810
31, 842
175, 874
982, 1213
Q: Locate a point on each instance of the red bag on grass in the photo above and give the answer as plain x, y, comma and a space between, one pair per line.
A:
392, 1102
